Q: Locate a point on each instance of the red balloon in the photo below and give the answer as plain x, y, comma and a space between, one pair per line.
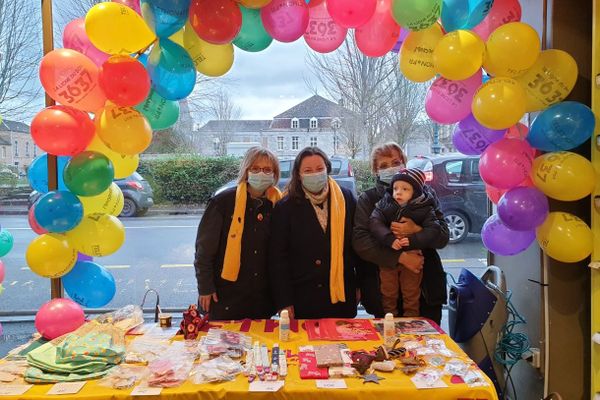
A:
33, 222
285, 20
380, 34
216, 21
124, 80
62, 130
323, 34
351, 13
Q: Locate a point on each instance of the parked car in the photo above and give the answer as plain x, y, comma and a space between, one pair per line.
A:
341, 171
456, 180
137, 193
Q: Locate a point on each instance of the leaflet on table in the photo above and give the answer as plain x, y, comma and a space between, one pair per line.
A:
340, 329
407, 326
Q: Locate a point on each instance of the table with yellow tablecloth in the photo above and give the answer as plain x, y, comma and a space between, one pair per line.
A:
395, 386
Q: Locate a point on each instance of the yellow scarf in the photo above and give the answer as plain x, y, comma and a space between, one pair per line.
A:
337, 223
233, 250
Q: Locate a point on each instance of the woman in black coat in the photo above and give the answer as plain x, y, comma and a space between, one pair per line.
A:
386, 161
311, 261
231, 244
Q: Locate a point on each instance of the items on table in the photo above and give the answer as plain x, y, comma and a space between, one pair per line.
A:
218, 369
409, 326
124, 376
340, 329
219, 341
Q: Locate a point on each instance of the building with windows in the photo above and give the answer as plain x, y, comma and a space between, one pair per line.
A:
314, 122
16, 145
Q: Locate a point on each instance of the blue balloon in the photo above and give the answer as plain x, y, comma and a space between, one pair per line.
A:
165, 17
58, 211
90, 284
478, 10
171, 70
455, 14
37, 173
562, 126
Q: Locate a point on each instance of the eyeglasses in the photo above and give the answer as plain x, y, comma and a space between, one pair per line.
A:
395, 163
266, 170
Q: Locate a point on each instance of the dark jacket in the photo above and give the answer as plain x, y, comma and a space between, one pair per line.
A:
373, 253
249, 296
299, 259
420, 210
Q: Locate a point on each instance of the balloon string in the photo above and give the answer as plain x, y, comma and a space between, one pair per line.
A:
139, 53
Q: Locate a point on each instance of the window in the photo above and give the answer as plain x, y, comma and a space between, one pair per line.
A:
295, 123
313, 141
454, 171
16, 148
280, 143
475, 177
336, 123
295, 142
285, 167
314, 123
3, 152
27, 149
34, 150
216, 142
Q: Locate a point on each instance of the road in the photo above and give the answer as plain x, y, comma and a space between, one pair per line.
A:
158, 253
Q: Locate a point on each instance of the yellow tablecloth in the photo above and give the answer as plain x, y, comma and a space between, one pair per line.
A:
395, 386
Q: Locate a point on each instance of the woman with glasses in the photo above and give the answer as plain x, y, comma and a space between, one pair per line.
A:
386, 161
231, 244
311, 262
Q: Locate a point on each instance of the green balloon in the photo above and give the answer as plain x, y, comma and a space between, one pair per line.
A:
252, 37
6, 242
89, 173
160, 112
416, 15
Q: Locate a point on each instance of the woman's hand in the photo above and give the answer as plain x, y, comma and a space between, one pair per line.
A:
405, 227
206, 300
290, 311
412, 260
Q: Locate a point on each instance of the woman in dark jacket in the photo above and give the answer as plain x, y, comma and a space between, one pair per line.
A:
386, 161
311, 261
231, 245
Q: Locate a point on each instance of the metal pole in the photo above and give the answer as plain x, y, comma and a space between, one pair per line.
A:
56, 289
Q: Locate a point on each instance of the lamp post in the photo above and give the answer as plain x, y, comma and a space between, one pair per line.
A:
435, 146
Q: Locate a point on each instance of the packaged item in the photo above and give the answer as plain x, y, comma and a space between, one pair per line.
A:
124, 318
124, 376
328, 355
308, 366
389, 331
341, 372
284, 326
10, 371
474, 378
143, 350
219, 341
216, 370
169, 372
456, 367
384, 366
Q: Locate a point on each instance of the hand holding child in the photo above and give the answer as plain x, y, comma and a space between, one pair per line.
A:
400, 243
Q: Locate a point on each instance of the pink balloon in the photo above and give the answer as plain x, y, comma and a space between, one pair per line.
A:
506, 163
448, 102
133, 4
57, 317
33, 222
502, 12
380, 34
75, 38
323, 33
351, 13
285, 20
2, 271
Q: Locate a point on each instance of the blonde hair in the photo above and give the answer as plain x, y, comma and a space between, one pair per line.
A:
252, 155
385, 150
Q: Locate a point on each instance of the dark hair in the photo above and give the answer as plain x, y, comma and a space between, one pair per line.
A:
294, 187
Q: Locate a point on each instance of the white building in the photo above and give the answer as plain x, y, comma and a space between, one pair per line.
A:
17, 148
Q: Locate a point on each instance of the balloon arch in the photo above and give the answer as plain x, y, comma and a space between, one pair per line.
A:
125, 66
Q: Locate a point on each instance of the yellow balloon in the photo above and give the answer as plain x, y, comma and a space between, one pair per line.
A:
97, 235
50, 255
123, 129
254, 3
511, 50
177, 37
565, 237
416, 54
111, 201
458, 55
117, 29
210, 59
549, 80
499, 103
563, 175
124, 165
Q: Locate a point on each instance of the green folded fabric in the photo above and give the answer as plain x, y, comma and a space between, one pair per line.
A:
95, 346
36, 375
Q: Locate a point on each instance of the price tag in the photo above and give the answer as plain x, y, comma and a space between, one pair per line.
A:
13, 390
66, 388
331, 384
265, 386
146, 391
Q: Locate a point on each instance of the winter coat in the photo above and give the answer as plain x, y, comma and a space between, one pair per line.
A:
249, 296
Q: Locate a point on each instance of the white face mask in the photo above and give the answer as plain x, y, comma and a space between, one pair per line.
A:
314, 183
260, 181
386, 175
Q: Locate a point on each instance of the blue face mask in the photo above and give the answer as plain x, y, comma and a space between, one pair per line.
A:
260, 181
386, 175
314, 183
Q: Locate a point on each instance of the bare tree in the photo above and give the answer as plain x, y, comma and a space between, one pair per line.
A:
19, 57
68, 10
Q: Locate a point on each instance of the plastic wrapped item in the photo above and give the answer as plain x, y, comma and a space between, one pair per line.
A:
10, 371
124, 318
221, 342
143, 350
124, 376
435, 360
456, 367
169, 371
439, 347
219, 369
427, 378
474, 378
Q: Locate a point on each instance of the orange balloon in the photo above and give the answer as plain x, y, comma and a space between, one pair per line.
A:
123, 129
71, 79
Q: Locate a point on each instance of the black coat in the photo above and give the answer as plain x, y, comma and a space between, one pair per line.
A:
420, 210
299, 259
373, 253
249, 296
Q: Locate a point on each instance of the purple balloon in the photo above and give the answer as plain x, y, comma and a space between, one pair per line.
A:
84, 257
403, 34
523, 208
503, 241
472, 138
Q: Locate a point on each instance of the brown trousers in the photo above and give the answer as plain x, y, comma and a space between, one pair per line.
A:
400, 280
